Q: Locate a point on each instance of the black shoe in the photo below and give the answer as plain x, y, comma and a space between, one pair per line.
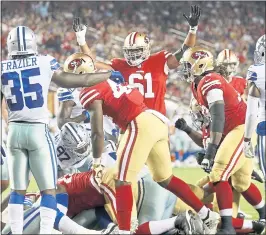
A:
240, 215
258, 226
226, 231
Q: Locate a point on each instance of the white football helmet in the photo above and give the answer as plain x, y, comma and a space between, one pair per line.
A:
76, 139
199, 114
228, 61
136, 48
21, 41
259, 53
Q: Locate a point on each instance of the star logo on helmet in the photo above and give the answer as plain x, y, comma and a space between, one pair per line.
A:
199, 55
74, 64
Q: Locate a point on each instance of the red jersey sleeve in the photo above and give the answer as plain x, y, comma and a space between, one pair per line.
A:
210, 82
88, 95
75, 183
160, 60
117, 63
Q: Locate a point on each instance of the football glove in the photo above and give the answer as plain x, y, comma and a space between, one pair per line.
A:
80, 30
200, 157
181, 124
248, 149
98, 168
193, 18
117, 77
208, 160
87, 114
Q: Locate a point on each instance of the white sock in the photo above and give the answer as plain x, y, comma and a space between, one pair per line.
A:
203, 212
247, 224
15, 218
68, 226
47, 216
162, 226
124, 232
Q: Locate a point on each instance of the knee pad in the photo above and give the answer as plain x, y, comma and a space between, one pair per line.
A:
241, 183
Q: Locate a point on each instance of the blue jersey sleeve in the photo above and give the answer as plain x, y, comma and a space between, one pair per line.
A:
251, 74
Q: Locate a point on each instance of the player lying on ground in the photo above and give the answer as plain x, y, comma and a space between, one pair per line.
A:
224, 154
141, 69
25, 80
256, 105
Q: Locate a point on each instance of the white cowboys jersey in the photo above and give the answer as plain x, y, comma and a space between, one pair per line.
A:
256, 74
25, 85
64, 94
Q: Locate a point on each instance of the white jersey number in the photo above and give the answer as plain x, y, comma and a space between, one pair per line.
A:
148, 93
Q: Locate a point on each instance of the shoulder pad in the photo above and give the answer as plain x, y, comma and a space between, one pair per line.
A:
252, 74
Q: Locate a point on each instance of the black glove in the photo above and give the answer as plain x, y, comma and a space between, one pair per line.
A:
181, 124
200, 157
208, 160
77, 25
194, 16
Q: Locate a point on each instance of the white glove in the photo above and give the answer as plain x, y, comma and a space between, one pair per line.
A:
206, 165
248, 150
80, 30
81, 36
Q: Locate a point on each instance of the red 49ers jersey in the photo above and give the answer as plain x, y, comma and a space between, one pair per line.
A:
82, 191
121, 103
239, 84
235, 107
149, 77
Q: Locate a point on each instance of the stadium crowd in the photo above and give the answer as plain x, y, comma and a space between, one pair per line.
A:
234, 26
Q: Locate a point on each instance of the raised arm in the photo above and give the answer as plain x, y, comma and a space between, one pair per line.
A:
182, 125
192, 19
80, 30
71, 80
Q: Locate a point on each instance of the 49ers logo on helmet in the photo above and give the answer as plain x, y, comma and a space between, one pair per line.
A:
74, 64
199, 55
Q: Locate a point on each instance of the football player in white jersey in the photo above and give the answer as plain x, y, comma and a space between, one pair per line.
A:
25, 79
256, 104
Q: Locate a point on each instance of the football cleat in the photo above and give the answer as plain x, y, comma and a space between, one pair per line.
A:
183, 222
226, 231
211, 222
258, 226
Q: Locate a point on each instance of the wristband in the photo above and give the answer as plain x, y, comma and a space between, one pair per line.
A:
193, 29
96, 161
87, 114
81, 41
211, 151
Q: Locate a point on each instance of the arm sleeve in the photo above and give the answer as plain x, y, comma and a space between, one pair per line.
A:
251, 115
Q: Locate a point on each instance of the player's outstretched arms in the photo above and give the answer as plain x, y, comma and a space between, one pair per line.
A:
80, 30
71, 80
190, 41
181, 124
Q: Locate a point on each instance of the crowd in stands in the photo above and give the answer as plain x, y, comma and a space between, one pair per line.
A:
233, 25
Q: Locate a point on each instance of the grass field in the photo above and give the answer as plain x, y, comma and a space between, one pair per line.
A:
190, 175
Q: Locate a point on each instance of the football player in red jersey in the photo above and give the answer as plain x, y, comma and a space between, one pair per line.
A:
227, 63
227, 111
141, 69
142, 143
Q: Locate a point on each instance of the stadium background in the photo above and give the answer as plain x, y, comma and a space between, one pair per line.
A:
233, 25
